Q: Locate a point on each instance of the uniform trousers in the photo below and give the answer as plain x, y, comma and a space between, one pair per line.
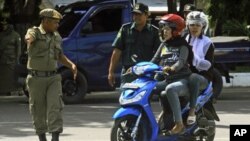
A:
45, 103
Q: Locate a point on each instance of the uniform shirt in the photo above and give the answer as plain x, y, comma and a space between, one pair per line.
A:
175, 54
142, 43
10, 46
44, 51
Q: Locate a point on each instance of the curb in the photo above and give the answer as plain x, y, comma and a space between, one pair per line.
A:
238, 80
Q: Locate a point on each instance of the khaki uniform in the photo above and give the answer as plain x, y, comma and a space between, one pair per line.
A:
43, 84
10, 49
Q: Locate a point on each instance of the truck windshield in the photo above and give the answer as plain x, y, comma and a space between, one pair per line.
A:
69, 21
155, 5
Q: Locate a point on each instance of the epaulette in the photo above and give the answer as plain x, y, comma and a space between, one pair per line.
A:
154, 26
127, 25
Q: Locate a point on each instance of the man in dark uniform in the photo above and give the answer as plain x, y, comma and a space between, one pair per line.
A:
138, 39
43, 83
188, 8
10, 50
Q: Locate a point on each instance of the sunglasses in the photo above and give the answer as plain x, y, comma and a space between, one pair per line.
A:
165, 24
197, 25
4, 19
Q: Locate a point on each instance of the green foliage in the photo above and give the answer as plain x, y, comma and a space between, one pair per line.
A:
245, 68
234, 28
223, 10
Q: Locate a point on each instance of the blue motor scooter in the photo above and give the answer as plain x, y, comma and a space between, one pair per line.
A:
135, 120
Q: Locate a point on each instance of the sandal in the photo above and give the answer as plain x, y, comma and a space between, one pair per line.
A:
171, 133
191, 120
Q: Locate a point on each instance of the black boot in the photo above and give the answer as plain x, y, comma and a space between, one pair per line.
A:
55, 136
42, 137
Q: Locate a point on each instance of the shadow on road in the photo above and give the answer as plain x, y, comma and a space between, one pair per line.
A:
234, 101
222, 126
236, 93
96, 112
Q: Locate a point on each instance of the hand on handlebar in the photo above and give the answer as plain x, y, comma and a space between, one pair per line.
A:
129, 70
167, 69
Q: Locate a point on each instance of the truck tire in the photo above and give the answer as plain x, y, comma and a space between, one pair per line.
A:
217, 83
74, 91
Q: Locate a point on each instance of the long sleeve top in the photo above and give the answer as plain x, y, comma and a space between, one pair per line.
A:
174, 53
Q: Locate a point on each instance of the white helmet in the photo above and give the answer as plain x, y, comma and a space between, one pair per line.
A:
198, 17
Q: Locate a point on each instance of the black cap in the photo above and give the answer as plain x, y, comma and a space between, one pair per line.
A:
5, 16
140, 8
189, 7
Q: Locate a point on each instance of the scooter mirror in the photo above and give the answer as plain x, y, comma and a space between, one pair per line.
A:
134, 58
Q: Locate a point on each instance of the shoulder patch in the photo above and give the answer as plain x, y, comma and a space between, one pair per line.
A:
154, 27
34, 27
127, 25
58, 36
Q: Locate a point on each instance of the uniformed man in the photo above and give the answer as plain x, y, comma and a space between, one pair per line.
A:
188, 8
136, 41
43, 82
10, 50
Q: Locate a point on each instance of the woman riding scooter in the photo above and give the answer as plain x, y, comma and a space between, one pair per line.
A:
202, 63
173, 55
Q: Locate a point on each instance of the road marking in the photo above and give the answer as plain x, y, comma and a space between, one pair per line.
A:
21, 122
221, 139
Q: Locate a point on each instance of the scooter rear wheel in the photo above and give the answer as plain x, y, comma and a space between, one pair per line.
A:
165, 121
212, 129
122, 129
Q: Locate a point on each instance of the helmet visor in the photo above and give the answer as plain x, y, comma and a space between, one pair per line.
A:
166, 24
194, 22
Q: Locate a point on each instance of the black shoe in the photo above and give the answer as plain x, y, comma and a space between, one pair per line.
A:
55, 136
42, 137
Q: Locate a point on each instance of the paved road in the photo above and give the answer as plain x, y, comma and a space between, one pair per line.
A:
92, 121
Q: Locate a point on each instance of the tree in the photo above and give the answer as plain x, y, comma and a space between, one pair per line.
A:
183, 3
1, 4
223, 12
172, 6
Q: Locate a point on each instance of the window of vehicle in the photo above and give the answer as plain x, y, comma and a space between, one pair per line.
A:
70, 18
104, 20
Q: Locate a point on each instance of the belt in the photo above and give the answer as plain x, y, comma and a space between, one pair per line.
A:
42, 73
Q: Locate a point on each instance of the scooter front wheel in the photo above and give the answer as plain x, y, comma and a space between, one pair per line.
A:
123, 127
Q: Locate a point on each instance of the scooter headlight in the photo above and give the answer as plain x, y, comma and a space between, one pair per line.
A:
139, 70
125, 100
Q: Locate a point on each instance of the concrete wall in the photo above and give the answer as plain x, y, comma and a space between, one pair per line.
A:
238, 80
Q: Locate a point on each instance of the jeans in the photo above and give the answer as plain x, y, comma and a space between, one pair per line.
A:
172, 92
196, 84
